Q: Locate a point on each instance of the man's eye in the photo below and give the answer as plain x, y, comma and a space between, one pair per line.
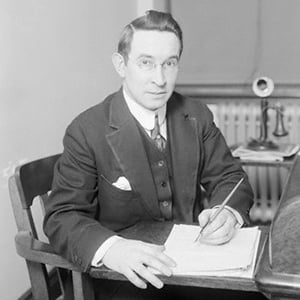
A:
146, 62
172, 63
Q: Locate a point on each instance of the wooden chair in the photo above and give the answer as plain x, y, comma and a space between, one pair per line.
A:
31, 181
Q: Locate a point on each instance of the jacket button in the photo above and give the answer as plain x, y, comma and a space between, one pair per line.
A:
161, 163
163, 184
165, 203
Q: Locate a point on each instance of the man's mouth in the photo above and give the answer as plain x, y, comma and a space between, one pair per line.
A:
158, 93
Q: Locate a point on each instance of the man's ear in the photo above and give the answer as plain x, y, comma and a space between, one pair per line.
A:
119, 63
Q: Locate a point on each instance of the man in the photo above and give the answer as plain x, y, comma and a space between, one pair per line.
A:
142, 154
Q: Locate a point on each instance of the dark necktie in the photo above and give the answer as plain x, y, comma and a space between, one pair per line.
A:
159, 140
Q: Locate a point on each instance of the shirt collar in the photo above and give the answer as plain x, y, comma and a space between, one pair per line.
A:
145, 116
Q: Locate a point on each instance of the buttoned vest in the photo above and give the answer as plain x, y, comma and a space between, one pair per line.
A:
160, 164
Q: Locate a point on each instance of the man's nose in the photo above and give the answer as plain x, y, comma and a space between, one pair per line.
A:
159, 75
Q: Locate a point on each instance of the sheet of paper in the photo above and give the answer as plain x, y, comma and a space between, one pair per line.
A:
235, 258
278, 154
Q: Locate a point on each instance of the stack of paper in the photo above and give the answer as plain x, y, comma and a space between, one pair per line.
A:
283, 150
235, 258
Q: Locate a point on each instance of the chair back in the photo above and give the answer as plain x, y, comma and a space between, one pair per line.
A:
29, 181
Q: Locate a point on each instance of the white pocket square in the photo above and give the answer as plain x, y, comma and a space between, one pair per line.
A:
122, 183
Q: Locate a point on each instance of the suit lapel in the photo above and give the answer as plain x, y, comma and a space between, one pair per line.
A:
185, 154
127, 146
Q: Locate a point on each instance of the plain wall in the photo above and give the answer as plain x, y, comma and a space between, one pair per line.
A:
54, 63
236, 41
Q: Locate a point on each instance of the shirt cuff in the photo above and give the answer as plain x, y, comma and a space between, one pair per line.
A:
237, 215
97, 259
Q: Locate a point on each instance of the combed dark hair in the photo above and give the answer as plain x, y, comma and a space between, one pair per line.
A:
152, 20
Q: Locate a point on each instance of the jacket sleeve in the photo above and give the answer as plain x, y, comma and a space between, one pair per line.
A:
220, 171
72, 208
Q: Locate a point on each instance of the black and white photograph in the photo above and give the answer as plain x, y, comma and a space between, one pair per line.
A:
150, 149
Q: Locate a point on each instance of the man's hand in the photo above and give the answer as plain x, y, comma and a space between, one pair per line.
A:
219, 231
135, 259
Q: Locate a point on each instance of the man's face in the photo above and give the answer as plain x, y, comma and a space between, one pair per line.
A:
151, 69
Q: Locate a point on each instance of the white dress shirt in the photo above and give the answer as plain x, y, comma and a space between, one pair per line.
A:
146, 117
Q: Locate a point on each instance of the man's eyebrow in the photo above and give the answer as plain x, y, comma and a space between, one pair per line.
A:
150, 56
145, 56
174, 56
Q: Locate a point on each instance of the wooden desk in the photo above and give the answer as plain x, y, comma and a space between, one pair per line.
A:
157, 232
272, 284
279, 285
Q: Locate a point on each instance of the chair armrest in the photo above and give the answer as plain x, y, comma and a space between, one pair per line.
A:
40, 252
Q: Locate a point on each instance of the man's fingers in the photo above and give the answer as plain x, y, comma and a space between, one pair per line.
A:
139, 274
157, 252
224, 222
139, 262
155, 264
166, 260
218, 240
221, 235
134, 279
203, 218
146, 274
214, 226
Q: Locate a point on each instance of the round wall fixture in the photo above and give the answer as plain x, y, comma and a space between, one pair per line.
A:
263, 87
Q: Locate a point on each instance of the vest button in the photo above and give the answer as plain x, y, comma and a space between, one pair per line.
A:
161, 163
165, 203
163, 184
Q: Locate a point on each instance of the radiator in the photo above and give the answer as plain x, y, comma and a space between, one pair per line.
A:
239, 121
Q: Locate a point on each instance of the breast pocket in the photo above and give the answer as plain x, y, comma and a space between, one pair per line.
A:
118, 208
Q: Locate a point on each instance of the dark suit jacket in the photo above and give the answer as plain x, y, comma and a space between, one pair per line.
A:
104, 143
